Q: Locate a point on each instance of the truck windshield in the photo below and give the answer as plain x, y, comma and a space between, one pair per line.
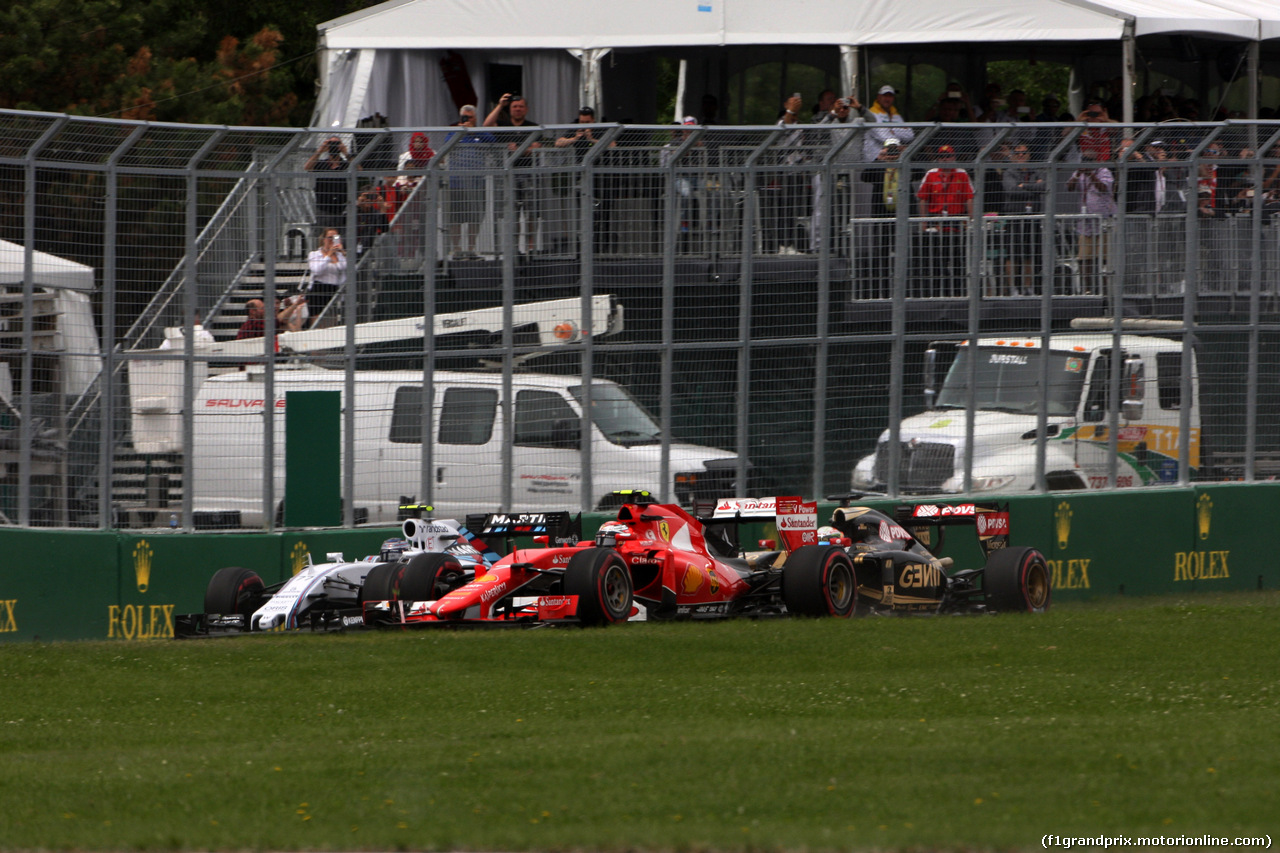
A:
1009, 381
621, 419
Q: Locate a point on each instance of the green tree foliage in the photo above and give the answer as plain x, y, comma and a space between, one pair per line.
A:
1037, 79
207, 61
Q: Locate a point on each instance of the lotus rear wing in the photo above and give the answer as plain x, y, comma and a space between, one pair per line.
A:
990, 522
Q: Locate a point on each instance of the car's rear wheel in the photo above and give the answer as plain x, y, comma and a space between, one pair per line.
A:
600, 579
428, 577
1017, 579
234, 590
819, 580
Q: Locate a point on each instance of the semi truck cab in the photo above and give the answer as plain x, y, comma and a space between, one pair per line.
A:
1086, 375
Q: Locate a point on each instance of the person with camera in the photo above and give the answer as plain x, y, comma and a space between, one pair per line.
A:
1095, 186
328, 272
884, 110
288, 317
330, 163
1095, 139
953, 105
512, 110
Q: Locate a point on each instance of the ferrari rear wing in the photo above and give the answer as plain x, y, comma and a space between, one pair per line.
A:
796, 518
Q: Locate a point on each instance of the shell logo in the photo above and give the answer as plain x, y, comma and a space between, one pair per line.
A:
693, 578
565, 331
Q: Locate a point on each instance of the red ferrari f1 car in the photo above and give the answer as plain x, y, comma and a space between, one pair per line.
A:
660, 562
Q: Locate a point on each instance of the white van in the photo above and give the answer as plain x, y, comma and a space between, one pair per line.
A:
223, 472
546, 465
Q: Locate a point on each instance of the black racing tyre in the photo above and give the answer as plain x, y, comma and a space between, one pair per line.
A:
427, 577
234, 590
382, 583
819, 580
602, 582
1017, 579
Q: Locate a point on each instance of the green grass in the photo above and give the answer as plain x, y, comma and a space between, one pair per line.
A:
1147, 717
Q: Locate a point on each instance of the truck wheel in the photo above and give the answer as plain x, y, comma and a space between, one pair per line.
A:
234, 590
819, 580
600, 579
427, 577
1017, 579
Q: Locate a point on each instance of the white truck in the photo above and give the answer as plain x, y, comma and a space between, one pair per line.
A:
1008, 373
224, 468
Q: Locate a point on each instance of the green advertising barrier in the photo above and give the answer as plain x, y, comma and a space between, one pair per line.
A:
1107, 544
1230, 549
166, 573
60, 585
56, 586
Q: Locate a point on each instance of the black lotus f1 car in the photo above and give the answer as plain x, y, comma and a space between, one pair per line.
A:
897, 571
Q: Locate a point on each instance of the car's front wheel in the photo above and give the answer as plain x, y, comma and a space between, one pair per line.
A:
819, 580
234, 590
600, 579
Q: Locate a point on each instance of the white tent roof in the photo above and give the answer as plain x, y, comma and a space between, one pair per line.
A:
48, 270
527, 24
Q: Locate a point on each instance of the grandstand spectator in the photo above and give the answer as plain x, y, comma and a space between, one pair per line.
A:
946, 193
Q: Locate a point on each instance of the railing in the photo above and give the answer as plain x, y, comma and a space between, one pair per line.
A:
781, 294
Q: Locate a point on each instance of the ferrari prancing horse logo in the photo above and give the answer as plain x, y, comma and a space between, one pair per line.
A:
664, 530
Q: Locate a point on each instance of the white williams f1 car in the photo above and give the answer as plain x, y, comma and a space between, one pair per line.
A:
435, 556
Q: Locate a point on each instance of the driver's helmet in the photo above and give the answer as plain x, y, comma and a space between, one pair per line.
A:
606, 536
392, 549
829, 535
864, 530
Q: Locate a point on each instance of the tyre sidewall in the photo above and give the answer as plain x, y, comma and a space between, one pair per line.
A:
240, 588
422, 575
588, 575
806, 582
1017, 579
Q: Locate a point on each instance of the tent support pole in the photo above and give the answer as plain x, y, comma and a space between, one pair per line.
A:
1252, 70
850, 65
591, 87
1129, 49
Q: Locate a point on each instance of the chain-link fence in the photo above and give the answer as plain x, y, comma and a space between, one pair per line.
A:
697, 311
